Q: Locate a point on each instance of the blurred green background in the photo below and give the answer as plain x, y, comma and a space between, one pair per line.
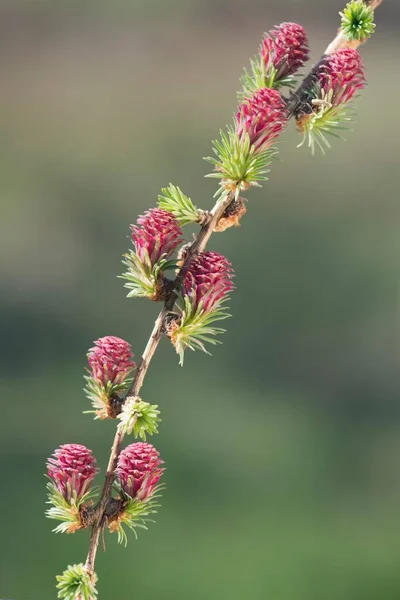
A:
282, 449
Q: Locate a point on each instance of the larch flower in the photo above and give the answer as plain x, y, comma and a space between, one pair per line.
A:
138, 470
110, 360
110, 366
205, 289
343, 73
156, 235
339, 77
262, 117
208, 281
72, 469
284, 50
244, 152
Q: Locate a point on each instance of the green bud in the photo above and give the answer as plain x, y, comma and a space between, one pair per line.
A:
139, 417
76, 582
178, 204
357, 20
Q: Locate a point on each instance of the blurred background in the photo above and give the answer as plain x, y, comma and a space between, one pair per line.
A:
282, 449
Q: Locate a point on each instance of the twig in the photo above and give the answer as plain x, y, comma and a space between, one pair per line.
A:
198, 246
195, 248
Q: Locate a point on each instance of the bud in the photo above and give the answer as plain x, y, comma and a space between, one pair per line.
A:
72, 468
174, 201
76, 583
262, 118
139, 417
284, 50
138, 470
156, 236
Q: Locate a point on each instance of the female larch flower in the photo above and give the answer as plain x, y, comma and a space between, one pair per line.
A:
138, 470
110, 366
156, 235
343, 73
245, 151
72, 469
208, 281
205, 289
110, 360
284, 50
262, 117
337, 80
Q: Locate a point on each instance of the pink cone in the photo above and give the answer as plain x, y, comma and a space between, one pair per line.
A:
110, 359
208, 280
343, 72
138, 470
263, 117
286, 49
157, 233
72, 469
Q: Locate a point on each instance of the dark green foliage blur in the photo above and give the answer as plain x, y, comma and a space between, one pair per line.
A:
282, 449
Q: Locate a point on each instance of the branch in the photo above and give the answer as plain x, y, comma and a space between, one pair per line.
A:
198, 246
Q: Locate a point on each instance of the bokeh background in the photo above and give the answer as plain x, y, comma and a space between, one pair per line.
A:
282, 448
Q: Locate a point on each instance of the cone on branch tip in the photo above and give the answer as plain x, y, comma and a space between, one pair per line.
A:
110, 364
